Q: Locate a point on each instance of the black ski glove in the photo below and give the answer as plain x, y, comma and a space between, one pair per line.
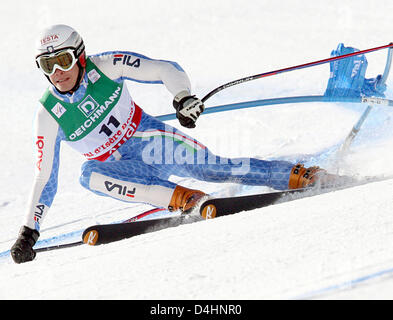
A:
22, 250
188, 108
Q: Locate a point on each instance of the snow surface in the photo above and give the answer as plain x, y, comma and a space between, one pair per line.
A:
332, 246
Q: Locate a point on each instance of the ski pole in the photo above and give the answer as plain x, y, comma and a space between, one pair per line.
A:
301, 66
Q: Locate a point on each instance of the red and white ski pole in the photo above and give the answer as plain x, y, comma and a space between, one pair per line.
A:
300, 66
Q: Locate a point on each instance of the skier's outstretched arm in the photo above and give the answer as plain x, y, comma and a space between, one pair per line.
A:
47, 138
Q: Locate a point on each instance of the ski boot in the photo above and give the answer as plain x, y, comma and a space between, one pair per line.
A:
302, 177
185, 199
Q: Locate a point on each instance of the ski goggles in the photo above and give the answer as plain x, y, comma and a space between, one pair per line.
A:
63, 60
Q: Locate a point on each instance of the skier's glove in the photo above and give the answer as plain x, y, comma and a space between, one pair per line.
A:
188, 108
22, 250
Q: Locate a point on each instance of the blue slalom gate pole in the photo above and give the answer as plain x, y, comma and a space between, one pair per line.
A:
355, 129
285, 100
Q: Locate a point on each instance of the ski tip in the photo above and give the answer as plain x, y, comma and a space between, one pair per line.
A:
208, 211
90, 236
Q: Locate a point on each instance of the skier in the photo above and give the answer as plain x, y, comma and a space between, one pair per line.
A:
88, 106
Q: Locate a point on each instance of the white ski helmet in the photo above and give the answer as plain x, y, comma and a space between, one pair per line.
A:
62, 37
59, 37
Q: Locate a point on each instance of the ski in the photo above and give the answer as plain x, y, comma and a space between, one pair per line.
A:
106, 233
80, 242
218, 207
211, 208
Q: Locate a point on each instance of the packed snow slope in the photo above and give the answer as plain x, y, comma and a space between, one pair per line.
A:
332, 246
